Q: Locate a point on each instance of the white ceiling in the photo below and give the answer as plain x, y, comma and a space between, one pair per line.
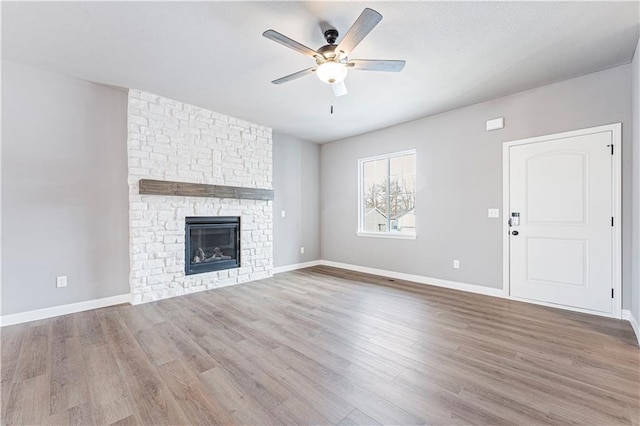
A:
213, 55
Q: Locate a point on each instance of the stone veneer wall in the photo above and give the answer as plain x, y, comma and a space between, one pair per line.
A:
170, 140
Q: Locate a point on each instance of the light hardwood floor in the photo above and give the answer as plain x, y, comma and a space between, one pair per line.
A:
322, 346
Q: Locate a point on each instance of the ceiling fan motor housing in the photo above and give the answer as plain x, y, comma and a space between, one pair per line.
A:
328, 52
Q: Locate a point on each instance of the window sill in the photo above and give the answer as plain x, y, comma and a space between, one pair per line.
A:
393, 235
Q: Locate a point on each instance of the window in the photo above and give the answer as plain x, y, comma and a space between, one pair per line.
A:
387, 191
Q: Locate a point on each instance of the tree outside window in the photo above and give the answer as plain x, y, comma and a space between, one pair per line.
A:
387, 194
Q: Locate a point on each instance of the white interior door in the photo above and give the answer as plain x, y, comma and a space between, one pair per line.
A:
562, 250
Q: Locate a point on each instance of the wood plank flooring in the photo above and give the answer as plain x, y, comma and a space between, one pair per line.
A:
322, 346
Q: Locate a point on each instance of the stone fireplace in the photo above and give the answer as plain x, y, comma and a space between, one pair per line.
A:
184, 146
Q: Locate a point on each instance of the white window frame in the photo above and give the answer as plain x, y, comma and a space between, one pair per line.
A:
387, 234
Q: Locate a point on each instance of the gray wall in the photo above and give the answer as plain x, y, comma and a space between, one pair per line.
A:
459, 177
296, 182
635, 85
64, 189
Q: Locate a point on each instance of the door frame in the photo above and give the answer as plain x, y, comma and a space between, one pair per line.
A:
616, 138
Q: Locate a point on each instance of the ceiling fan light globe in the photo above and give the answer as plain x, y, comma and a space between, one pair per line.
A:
331, 72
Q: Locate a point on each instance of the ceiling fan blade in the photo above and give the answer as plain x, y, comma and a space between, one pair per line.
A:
292, 44
339, 89
367, 20
294, 76
376, 65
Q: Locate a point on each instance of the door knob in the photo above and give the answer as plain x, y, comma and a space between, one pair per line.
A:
514, 232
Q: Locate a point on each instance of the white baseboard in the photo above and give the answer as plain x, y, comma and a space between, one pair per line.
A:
295, 266
471, 288
71, 308
627, 315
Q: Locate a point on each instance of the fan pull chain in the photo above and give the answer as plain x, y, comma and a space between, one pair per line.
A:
331, 107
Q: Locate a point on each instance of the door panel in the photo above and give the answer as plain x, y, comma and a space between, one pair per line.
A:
562, 252
557, 201
556, 261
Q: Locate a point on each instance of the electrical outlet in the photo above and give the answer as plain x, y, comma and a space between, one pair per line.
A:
283, 213
61, 281
301, 250
456, 264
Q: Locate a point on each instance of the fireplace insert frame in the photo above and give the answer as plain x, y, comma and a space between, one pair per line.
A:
219, 222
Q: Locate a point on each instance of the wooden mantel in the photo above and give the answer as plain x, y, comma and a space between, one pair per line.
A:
186, 189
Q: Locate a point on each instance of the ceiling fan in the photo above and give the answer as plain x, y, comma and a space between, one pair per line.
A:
332, 61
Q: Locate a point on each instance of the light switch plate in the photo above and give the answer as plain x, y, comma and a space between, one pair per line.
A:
493, 213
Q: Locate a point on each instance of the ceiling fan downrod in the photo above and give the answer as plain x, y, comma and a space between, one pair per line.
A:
331, 35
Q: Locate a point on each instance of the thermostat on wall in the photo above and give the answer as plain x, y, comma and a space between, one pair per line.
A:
495, 124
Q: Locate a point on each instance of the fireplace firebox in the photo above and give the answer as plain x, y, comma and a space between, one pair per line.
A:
211, 244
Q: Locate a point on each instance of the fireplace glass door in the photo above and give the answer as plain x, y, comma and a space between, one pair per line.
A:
211, 244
